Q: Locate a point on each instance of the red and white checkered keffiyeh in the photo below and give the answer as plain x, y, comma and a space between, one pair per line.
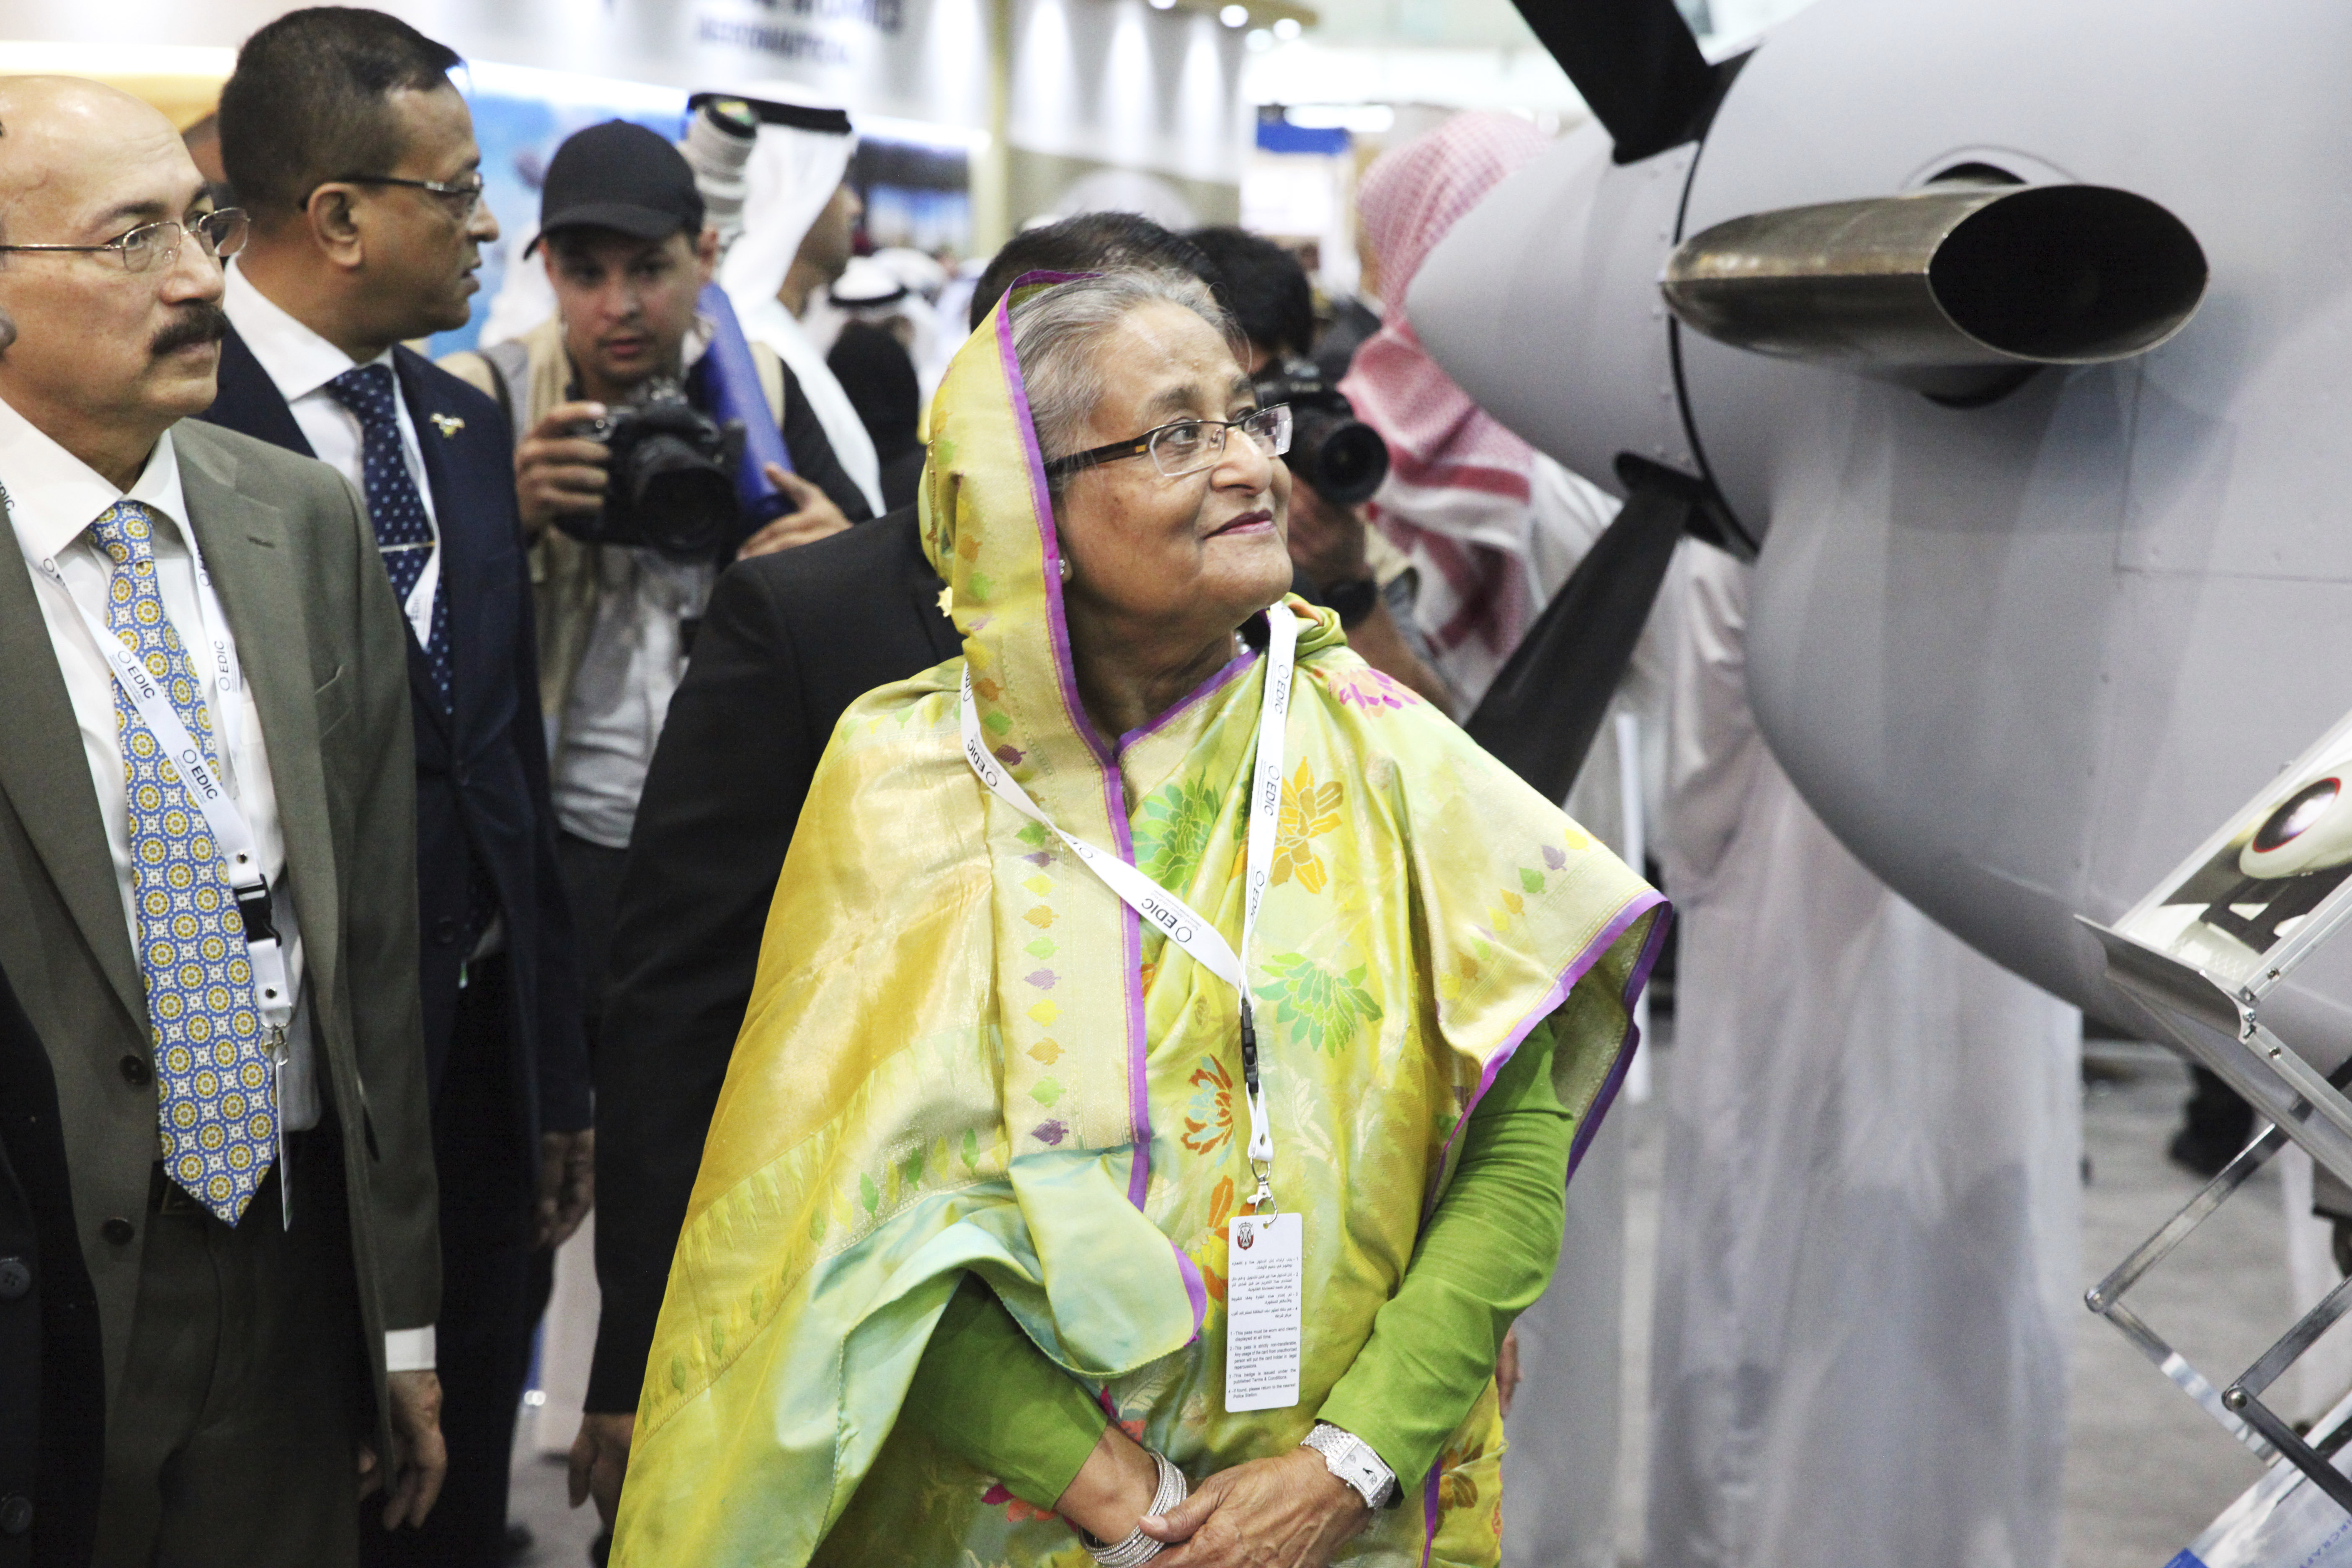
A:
1458, 488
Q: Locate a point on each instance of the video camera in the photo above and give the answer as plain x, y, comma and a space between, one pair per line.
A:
1343, 457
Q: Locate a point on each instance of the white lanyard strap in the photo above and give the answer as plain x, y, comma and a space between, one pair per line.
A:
1265, 827
1184, 925
232, 836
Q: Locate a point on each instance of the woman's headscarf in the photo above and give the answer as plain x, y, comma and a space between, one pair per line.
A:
962, 1053
1458, 484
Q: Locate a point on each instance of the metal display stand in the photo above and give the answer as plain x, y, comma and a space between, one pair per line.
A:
2218, 1027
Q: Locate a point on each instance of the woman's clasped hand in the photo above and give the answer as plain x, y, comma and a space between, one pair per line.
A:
1289, 1512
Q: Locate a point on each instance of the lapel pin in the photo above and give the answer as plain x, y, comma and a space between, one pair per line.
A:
448, 424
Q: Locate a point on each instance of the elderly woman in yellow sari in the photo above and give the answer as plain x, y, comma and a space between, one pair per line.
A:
1171, 1042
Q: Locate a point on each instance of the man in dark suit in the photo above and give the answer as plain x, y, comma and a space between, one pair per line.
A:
52, 1371
789, 641
208, 870
367, 215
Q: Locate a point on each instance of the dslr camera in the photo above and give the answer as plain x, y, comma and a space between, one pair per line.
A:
1343, 457
672, 488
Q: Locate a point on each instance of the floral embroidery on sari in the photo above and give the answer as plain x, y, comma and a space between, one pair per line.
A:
1322, 1007
1308, 812
1369, 690
1173, 831
1209, 1120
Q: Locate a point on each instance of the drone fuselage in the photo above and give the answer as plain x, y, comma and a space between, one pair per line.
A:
2023, 657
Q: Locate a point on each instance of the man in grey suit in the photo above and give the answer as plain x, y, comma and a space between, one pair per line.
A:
206, 862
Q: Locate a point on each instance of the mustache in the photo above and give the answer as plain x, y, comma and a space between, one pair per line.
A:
203, 322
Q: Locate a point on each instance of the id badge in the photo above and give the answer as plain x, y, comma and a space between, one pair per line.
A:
1262, 1311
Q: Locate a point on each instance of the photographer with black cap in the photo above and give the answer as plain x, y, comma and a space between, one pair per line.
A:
623, 483
1335, 461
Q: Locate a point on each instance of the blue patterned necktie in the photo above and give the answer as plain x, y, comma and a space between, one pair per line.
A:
217, 1109
403, 533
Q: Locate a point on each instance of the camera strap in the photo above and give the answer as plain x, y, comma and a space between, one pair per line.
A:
1170, 914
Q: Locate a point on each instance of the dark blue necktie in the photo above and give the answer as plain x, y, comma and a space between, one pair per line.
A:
402, 531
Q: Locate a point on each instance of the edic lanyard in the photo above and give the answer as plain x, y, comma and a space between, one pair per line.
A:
1185, 927
232, 837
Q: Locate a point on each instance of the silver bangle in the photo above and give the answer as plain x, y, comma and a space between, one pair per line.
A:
1139, 1547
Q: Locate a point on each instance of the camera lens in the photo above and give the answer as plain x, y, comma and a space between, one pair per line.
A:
685, 504
1345, 459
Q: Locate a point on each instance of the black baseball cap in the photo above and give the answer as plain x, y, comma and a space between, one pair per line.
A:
620, 176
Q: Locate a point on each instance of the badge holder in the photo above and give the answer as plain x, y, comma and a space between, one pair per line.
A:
1264, 1261
2194, 961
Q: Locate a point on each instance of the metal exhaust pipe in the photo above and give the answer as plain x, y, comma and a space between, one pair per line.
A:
1958, 291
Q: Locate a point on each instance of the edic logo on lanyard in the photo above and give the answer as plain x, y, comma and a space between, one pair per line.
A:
1263, 1309
233, 839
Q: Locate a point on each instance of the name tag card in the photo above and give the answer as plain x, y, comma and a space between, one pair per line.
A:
1262, 1312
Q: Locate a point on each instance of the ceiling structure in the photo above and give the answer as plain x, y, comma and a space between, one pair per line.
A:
1452, 54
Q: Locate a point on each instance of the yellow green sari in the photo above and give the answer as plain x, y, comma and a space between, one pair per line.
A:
963, 1053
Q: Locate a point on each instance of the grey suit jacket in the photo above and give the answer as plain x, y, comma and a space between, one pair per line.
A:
324, 645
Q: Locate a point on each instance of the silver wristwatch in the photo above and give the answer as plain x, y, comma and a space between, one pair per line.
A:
1351, 1459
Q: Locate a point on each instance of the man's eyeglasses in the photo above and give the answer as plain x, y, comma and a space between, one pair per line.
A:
221, 234
463, 198
1188, 446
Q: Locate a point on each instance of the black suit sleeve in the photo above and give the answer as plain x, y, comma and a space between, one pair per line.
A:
52, 1366
720, 801
565, 1104
814, 458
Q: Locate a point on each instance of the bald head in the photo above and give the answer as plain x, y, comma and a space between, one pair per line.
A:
105, 359
53, 126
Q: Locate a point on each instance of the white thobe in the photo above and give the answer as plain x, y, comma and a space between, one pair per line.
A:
1869, 1229
1559, 1471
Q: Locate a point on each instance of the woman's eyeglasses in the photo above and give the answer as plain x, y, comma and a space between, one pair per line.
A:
1188, 446
221, 234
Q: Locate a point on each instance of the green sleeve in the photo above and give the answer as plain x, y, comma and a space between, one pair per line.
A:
1485, 1255
987, 1394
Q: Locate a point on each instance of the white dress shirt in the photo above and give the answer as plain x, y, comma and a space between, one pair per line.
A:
601, 747
620, 697
53, 497
301, 363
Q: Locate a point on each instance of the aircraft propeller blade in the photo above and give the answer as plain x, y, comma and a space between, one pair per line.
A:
1637, 67
1543, 710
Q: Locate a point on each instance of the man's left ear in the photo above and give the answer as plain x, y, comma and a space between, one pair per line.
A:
706, 253
334, 224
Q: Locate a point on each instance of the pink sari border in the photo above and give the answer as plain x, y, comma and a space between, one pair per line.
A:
1634, 983
1041, 502
1195, 1287
1650, 899
1431, 1505
1138, 1098
1207, 689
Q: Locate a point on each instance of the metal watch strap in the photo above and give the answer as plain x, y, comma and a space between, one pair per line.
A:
1351, 1459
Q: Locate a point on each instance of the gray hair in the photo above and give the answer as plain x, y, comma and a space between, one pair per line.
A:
1055, 332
